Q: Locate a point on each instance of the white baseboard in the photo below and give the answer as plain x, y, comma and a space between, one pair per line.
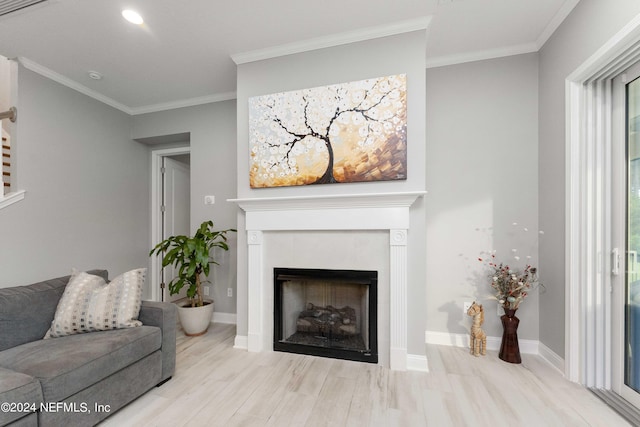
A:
462, 340
241, 342
230, 318
552, 358
417, 362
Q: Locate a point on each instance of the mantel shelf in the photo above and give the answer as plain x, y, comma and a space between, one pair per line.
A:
341, 201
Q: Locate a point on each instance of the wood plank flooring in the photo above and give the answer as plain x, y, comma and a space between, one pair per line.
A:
217, 385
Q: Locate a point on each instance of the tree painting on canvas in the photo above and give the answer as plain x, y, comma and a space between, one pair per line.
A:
350, 132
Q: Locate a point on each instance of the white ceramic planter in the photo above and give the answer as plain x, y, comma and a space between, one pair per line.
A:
195, 320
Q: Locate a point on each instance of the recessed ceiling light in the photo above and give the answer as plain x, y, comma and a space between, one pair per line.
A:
95, 75
132, 16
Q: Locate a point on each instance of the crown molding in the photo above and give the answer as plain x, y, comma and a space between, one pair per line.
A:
190, 102
555, 22
132, 111
481, 55
65, 81
417, 24
421, 23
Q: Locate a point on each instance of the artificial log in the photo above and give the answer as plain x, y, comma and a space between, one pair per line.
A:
327, 320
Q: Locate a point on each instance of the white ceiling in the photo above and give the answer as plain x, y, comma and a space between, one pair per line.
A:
182, 55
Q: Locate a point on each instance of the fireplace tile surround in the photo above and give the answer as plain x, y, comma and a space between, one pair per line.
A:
361, 231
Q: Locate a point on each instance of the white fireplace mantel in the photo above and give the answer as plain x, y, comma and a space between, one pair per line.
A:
379, 211
363, 200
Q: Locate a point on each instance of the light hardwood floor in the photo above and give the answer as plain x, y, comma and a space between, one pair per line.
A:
217, 385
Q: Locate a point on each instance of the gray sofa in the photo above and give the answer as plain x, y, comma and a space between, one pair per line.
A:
81, 379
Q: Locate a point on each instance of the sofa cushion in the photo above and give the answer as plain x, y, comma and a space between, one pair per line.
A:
89, 304
26, 311
19, 389
115, 391
70, 364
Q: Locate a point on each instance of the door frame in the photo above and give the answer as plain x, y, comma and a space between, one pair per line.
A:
157, 157
619, 229
587, 239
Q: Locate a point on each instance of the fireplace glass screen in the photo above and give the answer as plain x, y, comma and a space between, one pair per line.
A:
330, 313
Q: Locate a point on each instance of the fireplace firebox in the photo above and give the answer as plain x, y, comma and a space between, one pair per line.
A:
328, 313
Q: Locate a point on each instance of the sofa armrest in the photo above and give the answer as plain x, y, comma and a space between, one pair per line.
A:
163, 315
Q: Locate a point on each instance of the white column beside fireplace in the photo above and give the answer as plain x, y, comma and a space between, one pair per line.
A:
388, 211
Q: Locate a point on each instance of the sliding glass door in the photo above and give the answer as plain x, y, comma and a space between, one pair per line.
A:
626, 225
632, 279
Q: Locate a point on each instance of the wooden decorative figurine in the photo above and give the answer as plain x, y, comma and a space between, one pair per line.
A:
478, 339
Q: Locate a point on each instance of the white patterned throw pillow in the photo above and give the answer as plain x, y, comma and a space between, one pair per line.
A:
90, 304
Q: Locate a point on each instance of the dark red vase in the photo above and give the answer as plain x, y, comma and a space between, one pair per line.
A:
509, 349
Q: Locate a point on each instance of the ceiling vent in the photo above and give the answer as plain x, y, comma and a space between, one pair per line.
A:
9, 6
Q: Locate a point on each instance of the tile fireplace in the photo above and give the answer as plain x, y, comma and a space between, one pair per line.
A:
325, 232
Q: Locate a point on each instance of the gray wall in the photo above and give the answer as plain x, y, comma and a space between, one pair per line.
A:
587, 28
87, 200
213, 172
482, 176
403, 53
87, 182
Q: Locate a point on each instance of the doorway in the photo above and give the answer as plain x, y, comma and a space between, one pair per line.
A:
596, 222
170, 211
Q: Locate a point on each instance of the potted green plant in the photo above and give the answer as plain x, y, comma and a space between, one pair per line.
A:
191, 256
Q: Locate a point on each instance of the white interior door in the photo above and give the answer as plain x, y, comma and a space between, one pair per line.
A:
176, 213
